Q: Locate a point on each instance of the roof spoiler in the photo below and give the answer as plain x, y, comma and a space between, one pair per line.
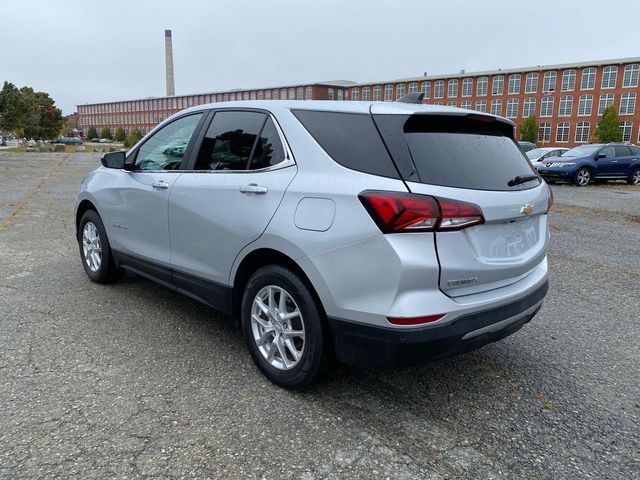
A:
415, 97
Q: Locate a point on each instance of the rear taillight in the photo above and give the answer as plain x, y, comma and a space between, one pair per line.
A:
550, 200
414, 320
409, 212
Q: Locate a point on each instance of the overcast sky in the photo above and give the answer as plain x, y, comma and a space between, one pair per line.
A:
93, 51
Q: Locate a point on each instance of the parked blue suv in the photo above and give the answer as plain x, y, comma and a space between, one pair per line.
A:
597, 161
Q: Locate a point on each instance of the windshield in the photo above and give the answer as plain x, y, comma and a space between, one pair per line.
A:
581, 151
535, 153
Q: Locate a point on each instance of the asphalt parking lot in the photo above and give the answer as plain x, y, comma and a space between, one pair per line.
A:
133, 380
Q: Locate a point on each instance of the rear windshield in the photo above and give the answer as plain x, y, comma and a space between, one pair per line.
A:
463, 152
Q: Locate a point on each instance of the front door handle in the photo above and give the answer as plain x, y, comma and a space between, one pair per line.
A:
614, 161
253, 188
160, 184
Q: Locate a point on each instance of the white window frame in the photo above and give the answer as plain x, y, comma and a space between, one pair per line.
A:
544, 132
581, 136
355, 94
512, 108
452, 88
565, 106
566, 131
546, 106
585, 105
438, 89
426, 88
605, 101
377, 93
481, 106
465, 104
589, 77
467, 87
496, 106
388, 92
627, 124
630, 76
482, 86
609, 77
529, 105
628, 101
413, 87
514, 84
366, 93
308, 95
568, 80
400, 88
497, 85
549, 81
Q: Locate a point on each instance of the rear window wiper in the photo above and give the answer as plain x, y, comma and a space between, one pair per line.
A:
522, 179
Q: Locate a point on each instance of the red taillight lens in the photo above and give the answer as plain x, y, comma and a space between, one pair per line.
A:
410, 212
550, 202
414, 320
396, 212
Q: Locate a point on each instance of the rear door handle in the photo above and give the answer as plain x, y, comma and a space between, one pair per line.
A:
160, 184
253, 188
614, 161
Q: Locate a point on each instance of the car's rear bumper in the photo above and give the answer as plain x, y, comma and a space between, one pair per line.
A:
363, 344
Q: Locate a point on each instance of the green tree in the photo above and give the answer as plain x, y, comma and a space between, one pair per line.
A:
92, 133
609, 128
529, 129
120, 135
133, 138
105, 133
28, 113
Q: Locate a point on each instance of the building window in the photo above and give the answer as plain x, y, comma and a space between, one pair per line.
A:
366, 91
260, 95
452, 88
330, 93
630, 78
514, 85
582, 132
482, 86
549, 82
512, 108
283, 93
438, 89
628, 104
355, 94
426, 89
546, 106
497, 85
308, 93
568, 80
466, 104
467, 87
340, 94
481, 105
399, 90
565, 106
451, 103
300, 93
388, 93
609, 77
606, 100
544, 132
588, 79
626, 131
267, 95
253, 95
413, 87
585, 105
496, 107
292, 94
529, 107
562, 132
377, 93
276, 94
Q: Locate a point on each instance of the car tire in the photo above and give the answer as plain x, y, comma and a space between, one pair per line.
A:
582, 177
95, 250
272, 329
634, 178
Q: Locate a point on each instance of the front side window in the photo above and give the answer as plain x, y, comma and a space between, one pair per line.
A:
531, 83
229, 140
497, 85
549, 82
568, 80
630, 78
609, 77
165, 149
438, 89
482, 86
514, 84
452, 88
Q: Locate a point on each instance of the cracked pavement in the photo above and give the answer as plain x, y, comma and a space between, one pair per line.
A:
132, 380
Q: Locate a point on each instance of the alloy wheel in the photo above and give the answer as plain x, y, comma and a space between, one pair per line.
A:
635, 179
583, 177
91, 247
278, 327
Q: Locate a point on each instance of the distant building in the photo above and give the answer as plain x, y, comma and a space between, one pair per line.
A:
568, 100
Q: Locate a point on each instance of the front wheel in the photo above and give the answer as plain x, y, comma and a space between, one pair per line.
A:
583, 177
634, 178
284, 328
95, 250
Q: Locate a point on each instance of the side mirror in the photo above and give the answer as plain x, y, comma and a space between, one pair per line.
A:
113, 159
599, 155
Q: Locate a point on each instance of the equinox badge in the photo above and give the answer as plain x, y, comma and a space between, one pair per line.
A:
526, 209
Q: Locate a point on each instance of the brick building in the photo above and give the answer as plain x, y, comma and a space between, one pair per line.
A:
568, 100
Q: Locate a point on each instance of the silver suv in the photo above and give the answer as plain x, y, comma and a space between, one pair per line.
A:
374, 233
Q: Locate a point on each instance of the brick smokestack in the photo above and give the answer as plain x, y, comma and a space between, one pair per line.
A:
168, 58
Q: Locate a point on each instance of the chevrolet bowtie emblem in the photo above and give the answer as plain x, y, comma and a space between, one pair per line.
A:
526, 209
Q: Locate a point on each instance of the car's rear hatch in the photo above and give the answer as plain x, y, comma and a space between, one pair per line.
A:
472, 158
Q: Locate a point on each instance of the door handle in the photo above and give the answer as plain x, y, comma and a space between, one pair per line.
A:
253, 188
614, 161
160, 184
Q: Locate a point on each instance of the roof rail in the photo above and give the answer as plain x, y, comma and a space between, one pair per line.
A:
415, 97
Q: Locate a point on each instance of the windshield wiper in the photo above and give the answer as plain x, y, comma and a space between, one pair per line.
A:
522, 179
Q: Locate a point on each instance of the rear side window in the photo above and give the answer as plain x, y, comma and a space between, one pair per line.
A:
622, 151
461, 152
269, 150
351, 139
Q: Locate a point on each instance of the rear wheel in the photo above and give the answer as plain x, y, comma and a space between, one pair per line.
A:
284, 328
634, 178
95, 251
582, 177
